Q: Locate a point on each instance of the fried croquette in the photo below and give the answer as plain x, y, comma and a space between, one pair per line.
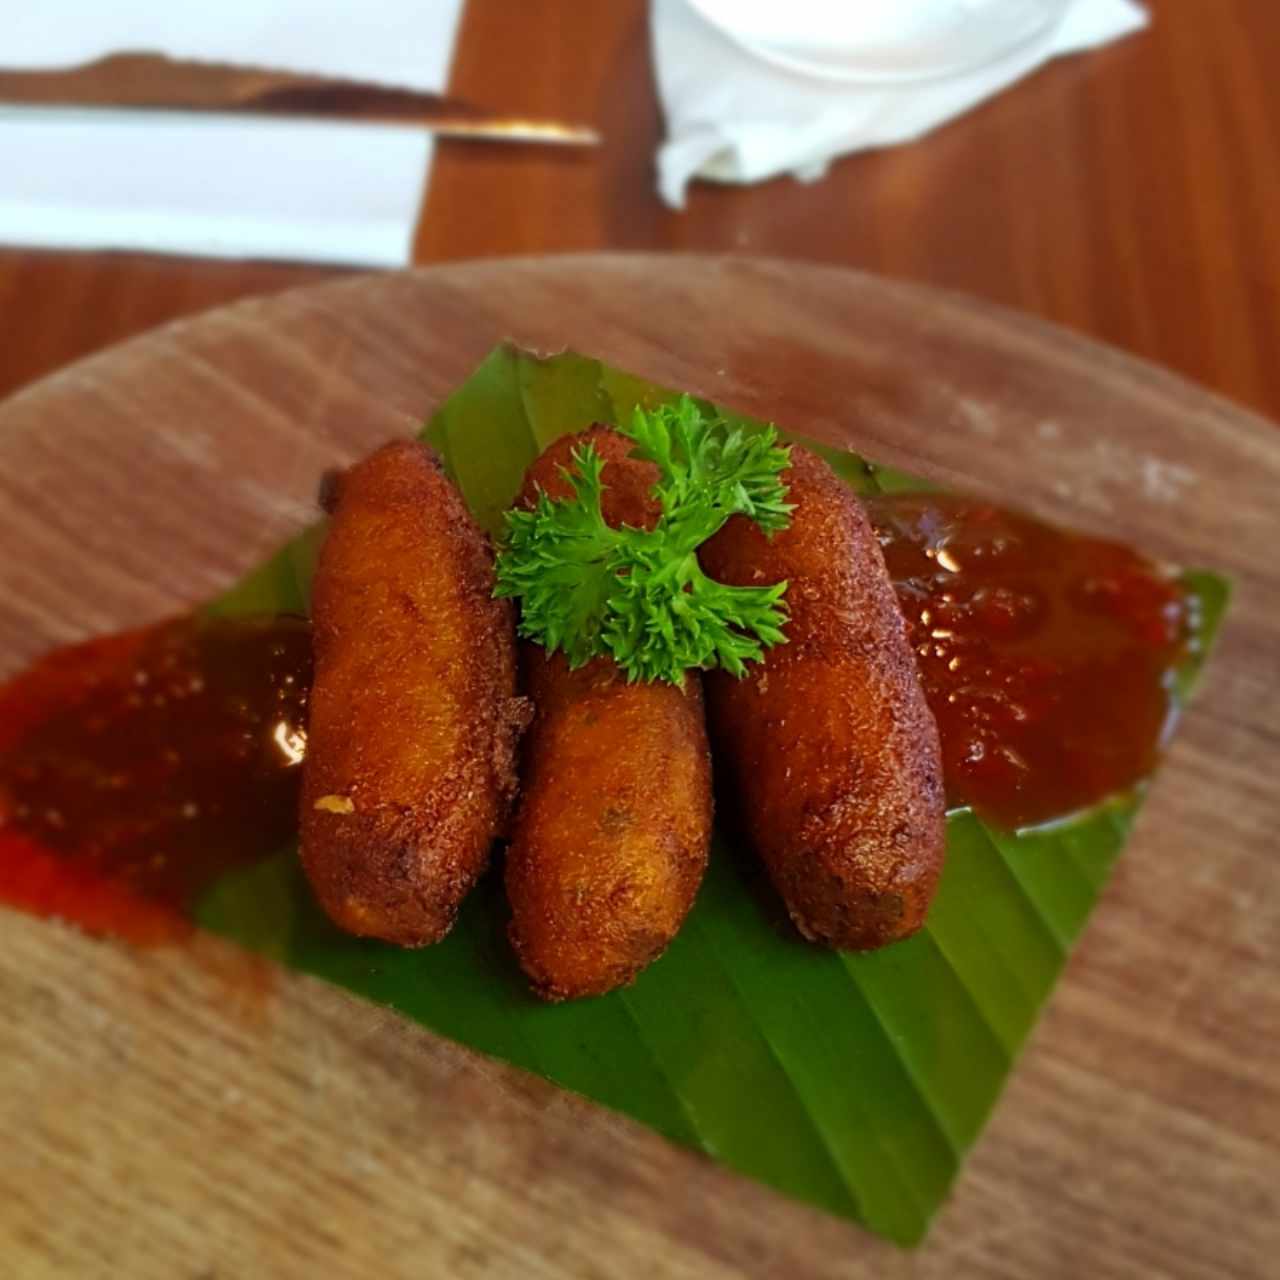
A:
414, 718
610, 841
829, 745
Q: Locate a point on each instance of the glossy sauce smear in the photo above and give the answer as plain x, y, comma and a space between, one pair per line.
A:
135, 769
1047, 657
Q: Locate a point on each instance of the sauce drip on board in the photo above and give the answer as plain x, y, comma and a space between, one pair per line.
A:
1047, 657
136, 768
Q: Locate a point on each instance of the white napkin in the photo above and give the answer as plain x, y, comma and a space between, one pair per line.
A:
734, 117
221, 185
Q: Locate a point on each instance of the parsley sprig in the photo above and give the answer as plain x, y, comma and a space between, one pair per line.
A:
640, 595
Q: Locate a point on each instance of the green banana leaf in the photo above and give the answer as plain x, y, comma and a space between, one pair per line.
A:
854, 1082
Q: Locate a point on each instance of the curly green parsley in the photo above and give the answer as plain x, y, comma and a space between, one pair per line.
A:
640, 595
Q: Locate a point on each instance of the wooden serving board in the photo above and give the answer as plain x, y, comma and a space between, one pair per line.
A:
194, 1113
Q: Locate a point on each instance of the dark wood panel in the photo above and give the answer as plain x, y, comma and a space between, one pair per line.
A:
1128, 193
58, 307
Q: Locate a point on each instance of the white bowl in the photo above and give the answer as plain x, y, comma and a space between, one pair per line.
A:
884, 41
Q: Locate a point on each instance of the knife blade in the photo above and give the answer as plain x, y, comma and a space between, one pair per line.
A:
145, 82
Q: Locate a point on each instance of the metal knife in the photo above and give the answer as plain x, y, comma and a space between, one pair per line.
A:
154, 82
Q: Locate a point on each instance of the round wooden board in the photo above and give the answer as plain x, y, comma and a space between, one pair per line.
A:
188, 1113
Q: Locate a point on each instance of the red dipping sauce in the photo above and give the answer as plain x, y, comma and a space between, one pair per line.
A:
135, 769
1048, 658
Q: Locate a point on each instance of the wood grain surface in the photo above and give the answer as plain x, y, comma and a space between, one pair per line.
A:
1128, 193
194, 1113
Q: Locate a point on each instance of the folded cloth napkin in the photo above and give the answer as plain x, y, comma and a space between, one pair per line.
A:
732, 116
221, 185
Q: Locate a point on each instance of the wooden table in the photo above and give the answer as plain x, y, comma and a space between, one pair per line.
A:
181, 1112
1129, 193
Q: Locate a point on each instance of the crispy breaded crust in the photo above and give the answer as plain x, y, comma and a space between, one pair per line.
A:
414, 718
830, 745
611, 837
610, 841
628, 482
